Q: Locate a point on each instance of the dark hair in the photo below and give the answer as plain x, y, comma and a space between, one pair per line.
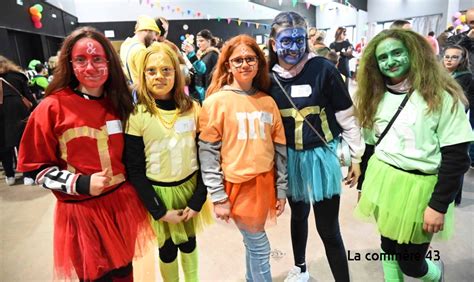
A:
340, 30
221, 74
159, 22
431, 33
399, 23
39, 68
207, 34
284, 20
464, 60
115, 86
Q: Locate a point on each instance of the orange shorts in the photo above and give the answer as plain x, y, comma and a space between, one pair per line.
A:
253, 203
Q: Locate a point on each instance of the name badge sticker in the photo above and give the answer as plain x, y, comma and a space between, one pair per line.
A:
184, 125
300, 91
114, 126
267, 117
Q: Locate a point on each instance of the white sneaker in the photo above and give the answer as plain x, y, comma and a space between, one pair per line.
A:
28, 181
10, 180
295, 275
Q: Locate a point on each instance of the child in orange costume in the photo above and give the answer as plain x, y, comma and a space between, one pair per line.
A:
242, 147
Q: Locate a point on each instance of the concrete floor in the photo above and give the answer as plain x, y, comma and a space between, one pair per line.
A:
26, 242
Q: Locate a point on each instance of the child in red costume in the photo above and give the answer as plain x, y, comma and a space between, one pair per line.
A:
73, 142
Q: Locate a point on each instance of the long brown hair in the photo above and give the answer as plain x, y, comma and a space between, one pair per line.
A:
8, 66
115, 86
426, 76
223, 77
183, 102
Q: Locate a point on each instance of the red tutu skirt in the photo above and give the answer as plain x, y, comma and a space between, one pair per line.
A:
95, 236
253, 203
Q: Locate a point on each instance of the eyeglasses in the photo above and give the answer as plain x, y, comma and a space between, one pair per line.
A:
96, 61
453, 57
239, 61
165, 71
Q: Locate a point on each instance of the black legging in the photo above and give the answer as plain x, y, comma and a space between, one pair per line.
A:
414, 263
327, 223
169, 251
6, 156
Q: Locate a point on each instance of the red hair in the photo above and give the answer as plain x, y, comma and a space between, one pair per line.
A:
223, 77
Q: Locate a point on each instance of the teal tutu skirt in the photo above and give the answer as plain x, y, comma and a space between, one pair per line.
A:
314, 174
397, 200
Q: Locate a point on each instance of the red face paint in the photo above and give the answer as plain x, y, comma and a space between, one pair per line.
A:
89, 63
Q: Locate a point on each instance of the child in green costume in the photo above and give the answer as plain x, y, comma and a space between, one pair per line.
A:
413, 176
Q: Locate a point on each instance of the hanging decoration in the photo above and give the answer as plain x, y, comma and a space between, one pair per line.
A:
183, 11
308, 5
294, 2
35, 13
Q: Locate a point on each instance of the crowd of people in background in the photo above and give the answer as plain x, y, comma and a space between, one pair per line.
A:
249, 128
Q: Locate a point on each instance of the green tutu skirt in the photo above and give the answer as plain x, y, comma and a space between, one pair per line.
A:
397, 199
177, 197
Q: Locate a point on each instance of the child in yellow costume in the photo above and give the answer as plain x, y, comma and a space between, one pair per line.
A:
162, 163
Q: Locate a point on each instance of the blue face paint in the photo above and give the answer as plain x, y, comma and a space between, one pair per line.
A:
291, 44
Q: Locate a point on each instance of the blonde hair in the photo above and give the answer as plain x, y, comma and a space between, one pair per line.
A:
183, 102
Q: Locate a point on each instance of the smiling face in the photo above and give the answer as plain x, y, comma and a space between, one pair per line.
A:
290, 44
89, 63
243, 63
159, 76
393, 59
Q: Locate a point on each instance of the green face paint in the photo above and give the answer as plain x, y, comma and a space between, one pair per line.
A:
393, 58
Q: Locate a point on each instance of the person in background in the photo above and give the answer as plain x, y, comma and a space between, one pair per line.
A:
443, 38
344, 49
13, 116
242, 150
318, 93
317, 43
466, 40
162, 163
456, 62
414, 174
361, 45
404, 24
52, 63
203, 61
31, 72
73, 144
39, 82
433, 42
146, 31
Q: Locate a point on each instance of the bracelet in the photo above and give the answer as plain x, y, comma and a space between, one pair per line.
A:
221, 201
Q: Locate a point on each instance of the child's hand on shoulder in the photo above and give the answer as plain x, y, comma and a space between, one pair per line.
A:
173, 216
189, 213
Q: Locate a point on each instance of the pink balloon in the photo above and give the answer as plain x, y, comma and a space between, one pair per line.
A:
457, 15
457, 22
38, 25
